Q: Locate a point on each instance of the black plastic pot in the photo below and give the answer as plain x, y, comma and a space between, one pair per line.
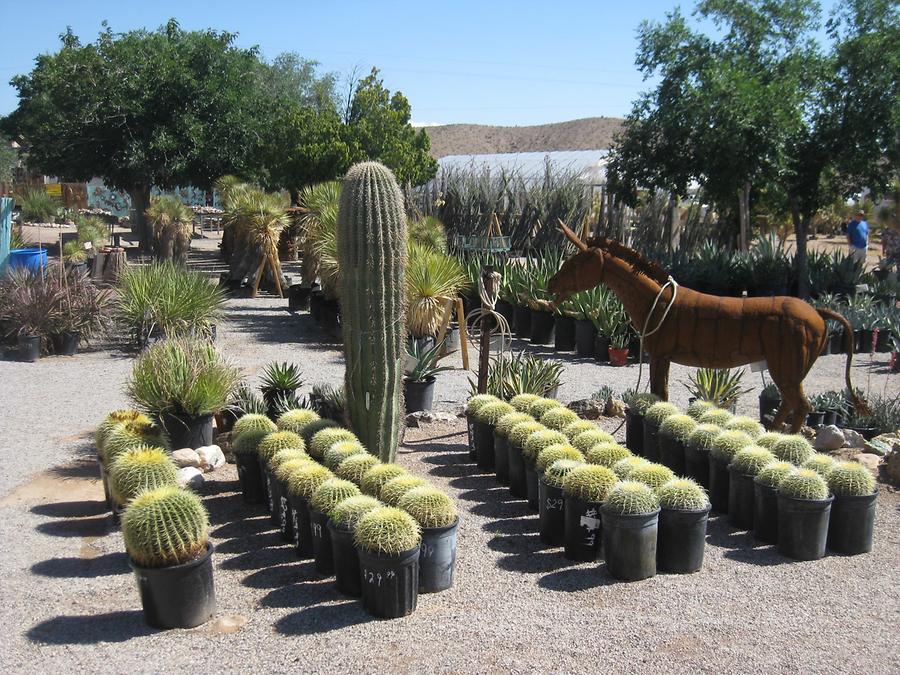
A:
815, 418
830, 417
286, 521
188, 431
303, 541
104, 478
551, 514
298, 297
651, 440
883, 341
273, 488
522, 316
741, 499
437, 558
331, 317
866, 432
852, 524
837, 342
671, 453
250, 477
316, 300
390, 583
865, 340
507, 311
719, 480
346, 560
583, 530
585, 334
451, 340
765, 513
696, 464
629, 544
321, 542
484, 445
419, 394
532, 492
501, 459
563, 333
29, 347
542, 324
634, 432
518, 484
66, 344
803, 527
177, 596
267, 495
681, 540
470, 428
601, 348
767, 406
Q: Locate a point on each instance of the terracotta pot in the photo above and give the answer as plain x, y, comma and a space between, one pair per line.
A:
618, 357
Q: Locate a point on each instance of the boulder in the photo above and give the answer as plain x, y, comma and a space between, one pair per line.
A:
190, 477
829, 437
892, 465
416, 419
588, 408
615, 408
853, 439
882, 445
186, 457
871, 462
211, 457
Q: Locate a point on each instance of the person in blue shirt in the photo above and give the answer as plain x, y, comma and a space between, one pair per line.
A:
858, 236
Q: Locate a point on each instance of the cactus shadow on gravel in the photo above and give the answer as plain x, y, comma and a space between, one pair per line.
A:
108, 564
88, 629
77, 509
323, 619
577, 579
98, 526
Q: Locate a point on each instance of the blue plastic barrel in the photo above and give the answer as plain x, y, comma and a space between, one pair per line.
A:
33, 259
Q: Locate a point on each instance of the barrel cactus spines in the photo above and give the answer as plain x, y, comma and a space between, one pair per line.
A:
387, 530
804, 484
521, 402
303, 480
286, 455
577, 427
726, 445
716, 416
768, 439
395, 488
556, 473
248, 442
354, 467
493, 411
678, 427
588, 439
658, 412
746, 424
429, 506
131, 434
314, 427
624, 467
474, 404
589, 482
652, 474
295, 420
850, 479
558, 418
551, 453
751, 460
110, 421
278, 440
820, 463
682, 494
539, 440
375, 478
521, 431
330, 493
606, 454
340, 451
698, 407
142, 468
702, 437
284, 470
630, 498
348, 512
508, 421
774, 472
252, 422
640, 403
165, 526
541, 406
322, 441
793, 448
372, 249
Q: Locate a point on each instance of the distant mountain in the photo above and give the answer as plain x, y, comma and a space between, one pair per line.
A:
590, 133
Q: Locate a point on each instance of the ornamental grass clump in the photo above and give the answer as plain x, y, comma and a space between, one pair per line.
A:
539, 440
248, 442
682, 494
726, 445
746, 424
589, 482
541, 406
850, 479
395, 488
577, 427
677, 427
354, 467
340, 451
252, 422
804, 484
773, 473
140, 469
429, 506
631, 498
304, 479
659, 411
551, 453
558, 418
625, 466
716, 416
768, 439
606, 454
491, 412
322, 441
508, 421
751, 460
588, 439
348, 512
793, 448
165, 526
556, 473
386, 530
521, 431
820, 463
278, 440
699, 407
296, 420
330, 493
375, 478
702, 437
652, 474
474, 404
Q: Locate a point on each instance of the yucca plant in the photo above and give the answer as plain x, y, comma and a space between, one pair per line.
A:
720, 386
432, 278
320, 203
171, 223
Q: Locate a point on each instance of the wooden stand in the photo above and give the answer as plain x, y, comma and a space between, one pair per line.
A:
484, 354
270, 261
449, 306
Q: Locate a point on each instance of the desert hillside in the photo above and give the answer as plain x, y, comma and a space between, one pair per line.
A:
590, 133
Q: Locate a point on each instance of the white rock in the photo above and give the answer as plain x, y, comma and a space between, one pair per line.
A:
829, 437
414, 419
186, 457
211, 457
191, 477
853, 439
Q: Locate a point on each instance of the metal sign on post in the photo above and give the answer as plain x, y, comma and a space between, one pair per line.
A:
6, 207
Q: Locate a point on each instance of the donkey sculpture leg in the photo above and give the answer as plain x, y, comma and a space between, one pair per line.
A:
659, 376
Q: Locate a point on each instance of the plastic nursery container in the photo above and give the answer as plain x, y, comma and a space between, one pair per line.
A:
765, 513
532, 493
634, 432
470, 428
321, 542
542, 324
250, 477
273, 488
718, 484
563, 333
484, 445
585, 336
437, 558
852, 524
501, 459
741, 499
177, 596
522, 316
629, 544
264, 475
346, 560
302, 528
188, 431
583, 530
551, 514
286, 521
671, 453
518, 484
696, 464
34, 259
390, 583
651, 440
803, 527
681, 540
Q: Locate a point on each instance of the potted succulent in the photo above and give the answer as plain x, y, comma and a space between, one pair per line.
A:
537, 441
585, 303
673, 434
354, 467
436, 515
340, 451
388, 542
127, 428
683, 516
296, 420
501, 446
473, 405
83, 311
558, 418
834, 405
652, 474
804, 507
564, 326
724, 447
392, 491
522, 402
696, 452
518, 469
577, 427
279, 380
634, 419
137, 470
625, 466
374, 478
720, 386
852, 524
743, 469
420, 376
630, 516
792, 448
584, 489
322, 501
541, 405
655, 415
765, 500
821, 463
485, 419
301, 482
265, 450
321, 440
246, 459
606, 454
716, 416
243, 401
341, 522
588, 439
552, 508
281, 464
746, 424
618, 349
165, 532
698, 407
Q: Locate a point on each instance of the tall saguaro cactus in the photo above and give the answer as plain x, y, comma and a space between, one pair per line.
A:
372, 253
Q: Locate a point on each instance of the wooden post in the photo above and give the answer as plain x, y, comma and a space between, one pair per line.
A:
463, 333
484, 354
445, 322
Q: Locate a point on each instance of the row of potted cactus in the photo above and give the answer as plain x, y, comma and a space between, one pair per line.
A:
591, 493
384, 534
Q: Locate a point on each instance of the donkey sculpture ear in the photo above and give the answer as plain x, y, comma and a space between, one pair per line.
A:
571, 236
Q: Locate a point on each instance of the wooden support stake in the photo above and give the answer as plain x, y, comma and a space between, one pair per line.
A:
276, 273
445, 322
484, 354
259, 273
463, 333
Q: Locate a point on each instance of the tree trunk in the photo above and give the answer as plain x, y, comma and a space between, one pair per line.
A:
801, 230
744, 216
140, 200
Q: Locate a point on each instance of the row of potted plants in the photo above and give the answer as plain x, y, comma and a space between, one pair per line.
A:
835, 407
875, 323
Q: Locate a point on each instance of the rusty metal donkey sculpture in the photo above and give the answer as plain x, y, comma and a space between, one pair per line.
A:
706, 331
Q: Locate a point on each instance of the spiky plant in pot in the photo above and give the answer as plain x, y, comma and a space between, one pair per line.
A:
640, 403
539, 440
429, 506
726, 445
296, 420
589, 482
631, 498
131, 434
556, 473
588, 439
508, 421
252, 422
652, 474
773, 473
716, 416
278, 378
624, 467
521, 431
109, 422
354, 467
386, 530
658, 412
851, 479
248, 442
340, 451
558, 418
491, 412
284, 470
751, 460
324, 439
606, 454
278, 440
677, 427
804, 484
287, 455
474, 404
699, 407
521, 402
577, 427
551, 453
682, 494
395, 488
166, 526
746, 424
768, 439
139, 469
702, 437
348, 512
820, 463
541, 406
793, 448
330, 493
375, 478
304, 479
315, 427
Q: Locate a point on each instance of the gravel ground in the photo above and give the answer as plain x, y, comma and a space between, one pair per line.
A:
69, 600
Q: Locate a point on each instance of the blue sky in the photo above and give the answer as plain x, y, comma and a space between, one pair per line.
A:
491, 62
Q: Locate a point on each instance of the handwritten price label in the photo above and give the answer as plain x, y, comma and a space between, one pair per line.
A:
555, 504
376, 578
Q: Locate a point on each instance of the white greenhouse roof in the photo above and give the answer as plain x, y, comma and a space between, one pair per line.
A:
591, 163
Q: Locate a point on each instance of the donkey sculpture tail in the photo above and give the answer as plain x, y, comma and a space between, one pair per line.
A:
859, 405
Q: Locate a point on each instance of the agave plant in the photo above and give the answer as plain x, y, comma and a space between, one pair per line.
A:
432, 279
329, 402
511, 374
720, 386
540, 269
426, 362
278, 380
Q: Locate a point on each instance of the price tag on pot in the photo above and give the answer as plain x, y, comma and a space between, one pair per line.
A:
88, 246
590, 523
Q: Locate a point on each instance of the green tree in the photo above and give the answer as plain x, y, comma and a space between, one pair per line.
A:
9, 158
